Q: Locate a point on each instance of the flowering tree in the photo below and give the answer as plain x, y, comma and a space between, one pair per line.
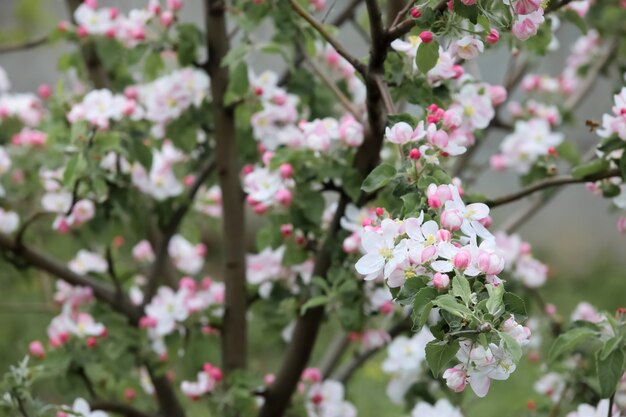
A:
117, 182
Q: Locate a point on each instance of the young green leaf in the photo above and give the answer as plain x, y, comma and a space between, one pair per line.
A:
378, 178
461, 288
570, 340
609, 371
439, 354
427, 56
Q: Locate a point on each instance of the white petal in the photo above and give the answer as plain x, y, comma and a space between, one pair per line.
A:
370, 264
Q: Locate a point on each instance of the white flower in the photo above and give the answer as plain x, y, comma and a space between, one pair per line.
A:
9, 221
86, 262
81, 408
442, 408
471, 214
379, 250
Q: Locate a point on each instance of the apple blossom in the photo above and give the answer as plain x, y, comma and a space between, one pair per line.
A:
442, 408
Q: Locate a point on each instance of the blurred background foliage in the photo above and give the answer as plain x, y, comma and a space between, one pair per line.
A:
26, 305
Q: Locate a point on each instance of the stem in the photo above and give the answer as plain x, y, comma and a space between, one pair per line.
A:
358, 65
549, 183
234, 336
33, 43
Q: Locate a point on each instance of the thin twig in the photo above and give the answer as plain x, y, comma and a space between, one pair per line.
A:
343, 100
33, 43
319, 28
549, 183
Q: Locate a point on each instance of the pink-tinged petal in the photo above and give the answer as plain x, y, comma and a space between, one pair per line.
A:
456, 198
482, 231
442, 266
478, 210
372, 241
370, 264
396, 279
480, 384
472, 271
467, 229
412, 228
430, 228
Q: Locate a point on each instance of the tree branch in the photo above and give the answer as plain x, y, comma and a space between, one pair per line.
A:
319, 28
104, 293
33, 43
95, 71
333, 354
549, 183
166, 397
234, 334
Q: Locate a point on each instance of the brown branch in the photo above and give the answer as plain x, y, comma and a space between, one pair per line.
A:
21, 46
333, 354
161, 260
319, 28
104, 293
549, 183
332, 86
307, 325
234, 334
165, 394
118, 408
556, 5
95, 70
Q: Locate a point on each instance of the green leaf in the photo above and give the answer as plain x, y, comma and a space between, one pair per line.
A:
314, 302
189, 36
494, 303
74, 169
140, 152
569, 151
570, 340
514, 348
461, 288
238, 83
422, 305
609, 371
611, 145
439, 354
294, 254
427, 56
610, 345
594, 167
378, 178
514, 304
484, 22
450, 304
622, 165
153, 65
468, 12
312, 205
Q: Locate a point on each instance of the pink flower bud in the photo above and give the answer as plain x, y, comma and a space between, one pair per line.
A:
130, 394
415, 154
498, 94
286, 230
166, 19
82, 32
451, 220
379, 211
416, 13
550, 309
36, 349
92, 4
443, 235
147, 322
44, 91
259, 208
286, 171
426, 36
498, 162
92, 342
284, 197
269, 379
311, 375
458, 71
175, 4
267, 157
493, 36
248, 168
490, 262
525, 248
434, 201
187, 283
462, 259
351, 244
386, 308
441, 281
455, 378
469, 2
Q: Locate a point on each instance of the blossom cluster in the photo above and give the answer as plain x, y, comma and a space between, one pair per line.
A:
327, 399
519, 262
205, 383
169, 308
266, 270
73, 321
130, 29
